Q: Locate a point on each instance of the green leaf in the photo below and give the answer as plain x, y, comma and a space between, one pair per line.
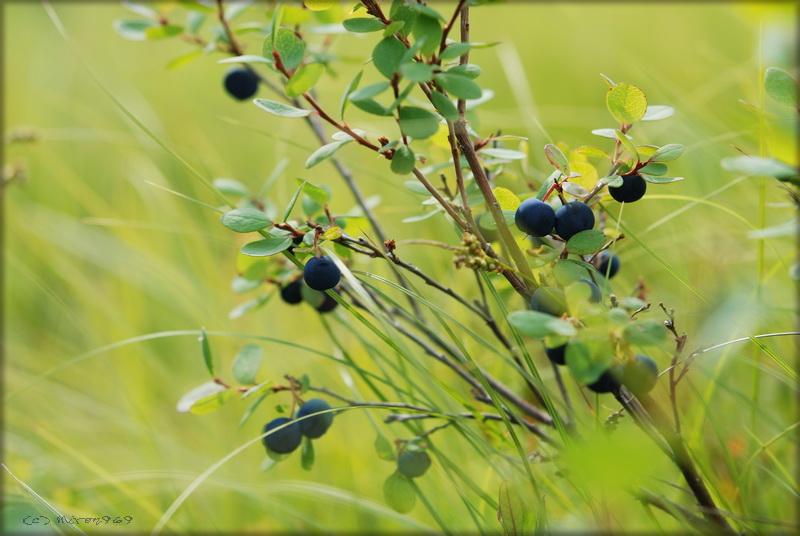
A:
429, 30
567, 271
351, 87
245, 220
610, 82
574, 189
184, 59
388, 55
161, 32
667, 153
645, 333
384, 448
658, 112
307, 454
654, 168
320, 5
628, 144
268, 246
458, 86
756, 165
586, 242
194, 21
140, 9
417, 71
781, 86
197, 6
202, 391
547, 184
291, 48
455, 50
231, 187
317, 194
539, 325
133, 30
470, 70
444, 106
363, 25
250, 305
516, 517
372, 106
393, 28
253, 405
247, 58
212, 402
398, 491
280, 109
324, 152
627, 103
504, 154
367, 92
587, 361
208, 359
592, 151
332, 233
654, 180
506, 198
556, 158
246, 364
403, 160
406, 15
417, 122
292, 201
304, 79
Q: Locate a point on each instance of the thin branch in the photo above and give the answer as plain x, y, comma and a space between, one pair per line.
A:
401, 417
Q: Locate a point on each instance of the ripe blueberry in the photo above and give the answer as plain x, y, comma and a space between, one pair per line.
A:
328, 304
607, 382
291, 293
639, 374
321, 273
549, 300
413, 464
241, 83
573, 218
535, 217
557, 355
632, 189
314, 427
603, 261
284, 440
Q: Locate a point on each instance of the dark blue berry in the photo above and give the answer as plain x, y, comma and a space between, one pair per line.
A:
603, 261
549, 300
535, 217
632, 189
241, 83
321, 273
557, 355
313, 427
291, 293
284, 440
573, 218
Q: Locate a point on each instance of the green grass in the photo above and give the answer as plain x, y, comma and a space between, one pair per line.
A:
109, 277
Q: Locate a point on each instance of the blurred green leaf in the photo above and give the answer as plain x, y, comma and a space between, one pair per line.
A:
197, 6
645, 333
194, 21
198, 393
556, 158
458, 86
246, 364
626, 103
403, 160
250, 305
470, 70
283, 110
567, 271
588, 361
384, 448
318, 194
291, 48
307, 454
367, 92
231, 187
654, 168
304, 79
539, 325
399, 493
504, 154
268, 246
574, 189
781, 86
514, 514
245, 220
388, 55
324, 152
628, 144
586, 242
756, 165
417, 122
428, 29
417, 71
455, 50
658, 112
206, 349
654, 180
140, 9
133, 30
444, 106
351, 87
363, 25
212, 402
162, 32
592, 151
393, 28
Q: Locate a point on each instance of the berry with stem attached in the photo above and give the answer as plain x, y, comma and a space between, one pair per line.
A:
284, 440
607, 264
535, 217
573, 218
316, 425
291, 293
632, 189
321, 273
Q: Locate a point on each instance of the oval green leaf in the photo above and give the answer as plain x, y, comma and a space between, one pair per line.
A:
781, 86
290, 47
268, 246
245, 220
667, 153
556, 158
246, 364
626, 103
586, 242
444, 106
418, 122
212, 402
399, 492
304, 79
388, 55
324, 152
280, 109
362, 25
657, 112
202, 391
539, 325
458, 86
403, 160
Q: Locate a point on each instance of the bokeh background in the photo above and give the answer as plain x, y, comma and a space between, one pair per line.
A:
97, 259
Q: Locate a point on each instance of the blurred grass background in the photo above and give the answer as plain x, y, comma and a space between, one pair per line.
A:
95, 256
